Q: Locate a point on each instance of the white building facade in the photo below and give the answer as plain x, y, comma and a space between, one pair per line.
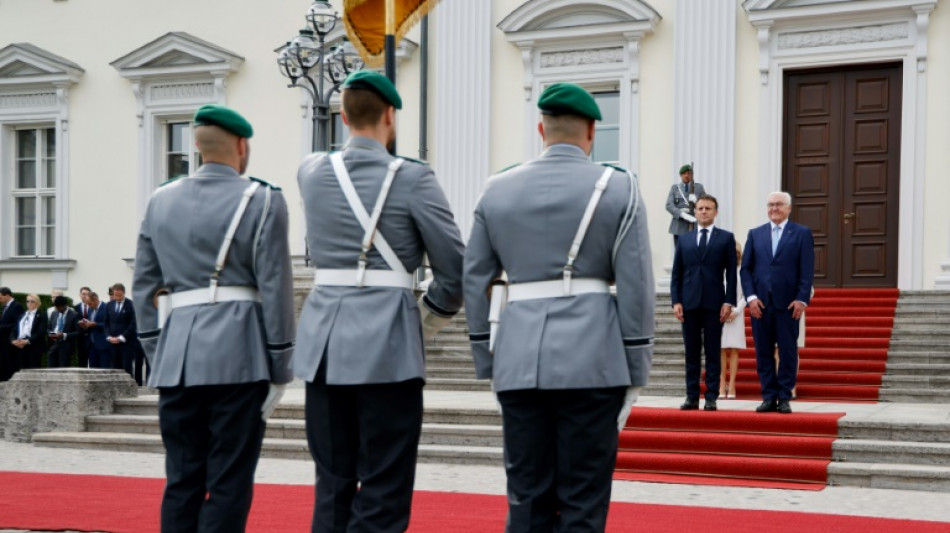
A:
842, 103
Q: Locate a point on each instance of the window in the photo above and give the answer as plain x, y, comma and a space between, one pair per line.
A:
607, 132
34, 192
338, 131
181, 155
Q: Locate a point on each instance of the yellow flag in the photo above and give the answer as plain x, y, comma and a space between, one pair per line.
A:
365, 22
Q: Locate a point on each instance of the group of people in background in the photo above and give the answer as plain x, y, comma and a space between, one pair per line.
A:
93, 333
710, 293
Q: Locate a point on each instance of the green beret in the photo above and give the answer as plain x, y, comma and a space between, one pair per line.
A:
686, 168
376, 82
568, 99
225, 118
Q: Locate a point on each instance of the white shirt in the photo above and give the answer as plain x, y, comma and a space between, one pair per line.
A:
699, 234
26, 325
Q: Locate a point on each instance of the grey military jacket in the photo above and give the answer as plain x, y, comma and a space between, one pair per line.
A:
373, 334
677, 200
524, 224
224, 342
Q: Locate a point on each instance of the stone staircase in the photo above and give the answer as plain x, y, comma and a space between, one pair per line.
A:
918, 360
456, 436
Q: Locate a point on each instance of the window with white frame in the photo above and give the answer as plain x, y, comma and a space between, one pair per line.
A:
181, 155
34, 192
606, 147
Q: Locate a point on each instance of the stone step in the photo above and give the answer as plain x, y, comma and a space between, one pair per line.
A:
897, 430
889, 476
912, 381
458, 384
922, 357
459, 435
445, 361
272, 448
435, 372
910, 369
915, 395
901, 453
922, 344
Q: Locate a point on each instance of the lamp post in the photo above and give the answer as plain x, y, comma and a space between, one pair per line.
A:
307, 62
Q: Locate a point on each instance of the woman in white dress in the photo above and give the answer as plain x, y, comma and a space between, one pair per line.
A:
733, 338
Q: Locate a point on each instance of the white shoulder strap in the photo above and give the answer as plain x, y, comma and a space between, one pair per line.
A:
370, 235
599, 188
229, 236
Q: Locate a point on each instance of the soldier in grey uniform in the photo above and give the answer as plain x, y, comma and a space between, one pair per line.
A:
563, 229
217, 242
370, 218
681, 203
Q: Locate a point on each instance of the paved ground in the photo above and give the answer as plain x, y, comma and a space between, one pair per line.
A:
491, 480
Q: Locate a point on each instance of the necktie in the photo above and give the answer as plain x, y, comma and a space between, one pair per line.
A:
118, 307
776, 235
59, 324
702, 242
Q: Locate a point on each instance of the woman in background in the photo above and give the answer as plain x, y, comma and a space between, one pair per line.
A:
733, 338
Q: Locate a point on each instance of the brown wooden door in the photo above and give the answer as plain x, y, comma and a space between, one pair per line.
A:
842, 168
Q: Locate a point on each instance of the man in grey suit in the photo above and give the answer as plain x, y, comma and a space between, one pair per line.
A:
681, 203
563, 229
360, 348
217, 242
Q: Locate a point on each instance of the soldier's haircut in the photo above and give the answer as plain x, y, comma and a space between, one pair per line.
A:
564, 127
709, 198
363, 107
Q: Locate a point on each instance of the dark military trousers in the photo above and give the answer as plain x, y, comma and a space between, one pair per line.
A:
560, 453
213, 436
364, 436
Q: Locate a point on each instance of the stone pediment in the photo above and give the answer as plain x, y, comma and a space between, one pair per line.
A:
760, 5
817, 11
540, 15
24, 63
177, 53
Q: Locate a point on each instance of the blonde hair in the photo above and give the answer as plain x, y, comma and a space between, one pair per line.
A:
738, 252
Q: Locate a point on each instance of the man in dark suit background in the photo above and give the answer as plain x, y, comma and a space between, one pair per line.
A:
10, 313
82, 343
703, 258
29, 335
778, 267
118, 323
63, 333
99, 349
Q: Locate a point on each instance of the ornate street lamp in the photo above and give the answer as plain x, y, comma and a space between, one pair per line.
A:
307, 62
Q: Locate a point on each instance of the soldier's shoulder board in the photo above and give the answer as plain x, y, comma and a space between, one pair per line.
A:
419, 161
265, 183
615, 167
169, 182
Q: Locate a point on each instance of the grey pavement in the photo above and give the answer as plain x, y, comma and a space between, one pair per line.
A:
884, 503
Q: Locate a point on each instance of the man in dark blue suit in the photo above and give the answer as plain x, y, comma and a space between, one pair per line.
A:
118, 323
99, 349
778, 267
704, 257
10, 314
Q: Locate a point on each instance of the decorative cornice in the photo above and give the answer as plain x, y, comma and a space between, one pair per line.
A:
181, 91
31, 100
177, 54
844, 36
594, 56
32, 65
548, 21
37, 264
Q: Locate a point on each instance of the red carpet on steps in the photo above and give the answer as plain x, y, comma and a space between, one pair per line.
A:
131, 505
847, 334
727, 448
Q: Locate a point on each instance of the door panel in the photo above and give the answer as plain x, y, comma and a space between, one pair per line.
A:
842, 161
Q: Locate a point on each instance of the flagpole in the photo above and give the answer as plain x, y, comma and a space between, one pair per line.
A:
391, 40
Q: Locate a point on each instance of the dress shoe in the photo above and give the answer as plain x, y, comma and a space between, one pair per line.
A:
783, 407
691, 404
710, 405
767, 406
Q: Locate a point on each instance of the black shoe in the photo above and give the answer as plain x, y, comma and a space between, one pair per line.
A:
767, 406
691, 404
783, 407
710, 405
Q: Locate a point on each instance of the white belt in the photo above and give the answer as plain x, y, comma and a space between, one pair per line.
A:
555, 289
370, 278
222, 294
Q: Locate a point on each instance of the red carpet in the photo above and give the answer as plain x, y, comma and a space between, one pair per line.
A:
727, 447
131, 505
847, 334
